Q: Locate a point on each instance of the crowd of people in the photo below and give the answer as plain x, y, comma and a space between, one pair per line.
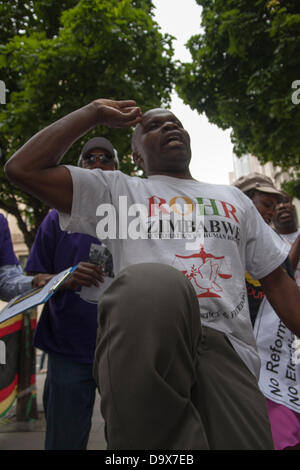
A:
184, 278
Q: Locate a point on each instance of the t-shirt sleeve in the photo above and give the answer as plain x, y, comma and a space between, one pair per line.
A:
90, 188
7, 255
265, 251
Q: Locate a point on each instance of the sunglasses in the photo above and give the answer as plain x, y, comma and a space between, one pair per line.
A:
92, 158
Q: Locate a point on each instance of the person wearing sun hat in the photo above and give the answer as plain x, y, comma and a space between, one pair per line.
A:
256, 181
261, 190
269, 330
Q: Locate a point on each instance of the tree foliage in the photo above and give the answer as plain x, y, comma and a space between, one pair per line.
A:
244, 63
56, 56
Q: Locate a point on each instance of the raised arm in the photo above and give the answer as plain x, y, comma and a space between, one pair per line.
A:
284, 295
35, 166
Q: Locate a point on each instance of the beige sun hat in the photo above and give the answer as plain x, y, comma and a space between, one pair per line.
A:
258, 182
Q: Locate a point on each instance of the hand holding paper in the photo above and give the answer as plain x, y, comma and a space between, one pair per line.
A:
86, 274
36, 296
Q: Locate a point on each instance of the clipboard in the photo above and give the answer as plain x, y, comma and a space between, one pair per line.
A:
34, 297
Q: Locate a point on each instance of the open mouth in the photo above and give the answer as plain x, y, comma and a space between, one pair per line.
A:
284, 213
173, 139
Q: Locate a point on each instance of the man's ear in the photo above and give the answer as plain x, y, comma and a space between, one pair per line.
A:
138, 160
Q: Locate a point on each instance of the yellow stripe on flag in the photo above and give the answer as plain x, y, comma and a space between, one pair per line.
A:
11, 321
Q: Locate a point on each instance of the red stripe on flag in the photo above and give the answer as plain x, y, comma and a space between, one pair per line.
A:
32, 379
11, 329
8, 390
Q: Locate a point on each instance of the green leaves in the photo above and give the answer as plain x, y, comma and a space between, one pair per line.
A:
66, 54
244, 64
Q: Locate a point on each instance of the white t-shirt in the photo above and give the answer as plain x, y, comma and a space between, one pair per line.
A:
236, 239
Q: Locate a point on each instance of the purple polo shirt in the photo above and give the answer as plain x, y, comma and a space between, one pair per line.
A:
68, 324
7, 255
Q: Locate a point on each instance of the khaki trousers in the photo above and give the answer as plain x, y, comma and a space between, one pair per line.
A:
165, 381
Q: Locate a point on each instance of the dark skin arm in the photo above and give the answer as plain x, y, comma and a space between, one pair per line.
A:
284, 295
294, 253
35, 166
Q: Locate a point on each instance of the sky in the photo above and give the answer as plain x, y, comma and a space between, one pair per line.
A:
211, 146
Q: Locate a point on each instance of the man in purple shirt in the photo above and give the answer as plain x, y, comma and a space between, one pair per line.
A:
68, 324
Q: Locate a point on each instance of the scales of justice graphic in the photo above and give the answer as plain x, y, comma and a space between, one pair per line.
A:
205, 271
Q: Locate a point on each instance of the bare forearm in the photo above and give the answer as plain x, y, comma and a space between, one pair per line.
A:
35, 166
46, 148
294, 253
284, 296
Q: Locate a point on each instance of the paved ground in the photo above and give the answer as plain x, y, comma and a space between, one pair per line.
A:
30, 436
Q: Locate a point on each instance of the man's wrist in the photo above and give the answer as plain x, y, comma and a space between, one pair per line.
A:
94, 111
